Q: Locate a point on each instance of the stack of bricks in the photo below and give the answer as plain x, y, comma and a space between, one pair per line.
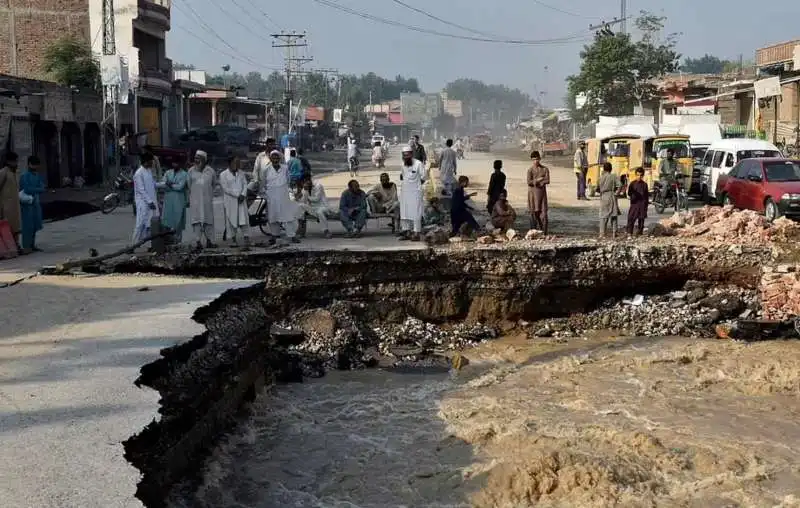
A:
779, 289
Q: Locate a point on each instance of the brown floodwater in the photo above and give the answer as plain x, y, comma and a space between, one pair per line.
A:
601, 422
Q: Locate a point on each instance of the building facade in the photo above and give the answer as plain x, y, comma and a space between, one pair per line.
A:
29, 27
780, 117
141, 28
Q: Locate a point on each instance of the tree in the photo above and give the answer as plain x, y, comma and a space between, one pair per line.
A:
617, 72
69, 62
706, 64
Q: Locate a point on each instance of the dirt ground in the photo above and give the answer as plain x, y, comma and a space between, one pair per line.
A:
568, 216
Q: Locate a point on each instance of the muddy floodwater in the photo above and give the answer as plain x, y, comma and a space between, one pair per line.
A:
601, 422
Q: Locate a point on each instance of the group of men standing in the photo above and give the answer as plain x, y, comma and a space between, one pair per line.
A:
20, 203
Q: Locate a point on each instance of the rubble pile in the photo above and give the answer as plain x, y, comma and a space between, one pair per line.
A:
338, 338
725, 224
780, 292
692, 311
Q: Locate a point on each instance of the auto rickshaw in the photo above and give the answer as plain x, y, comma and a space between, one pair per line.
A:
648, 153
614, 149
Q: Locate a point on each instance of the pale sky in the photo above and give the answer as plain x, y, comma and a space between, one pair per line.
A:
353, 45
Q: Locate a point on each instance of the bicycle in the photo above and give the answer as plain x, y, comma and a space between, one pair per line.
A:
121, 194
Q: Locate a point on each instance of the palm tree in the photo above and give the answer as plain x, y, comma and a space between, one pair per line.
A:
69, 62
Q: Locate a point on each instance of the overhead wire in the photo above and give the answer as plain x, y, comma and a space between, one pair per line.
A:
562, 11
199, 20
264, 13
568, 39
444, 21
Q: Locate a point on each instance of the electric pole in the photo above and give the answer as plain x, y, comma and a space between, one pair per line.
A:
604, 28
623, 15
290, 41
111, 88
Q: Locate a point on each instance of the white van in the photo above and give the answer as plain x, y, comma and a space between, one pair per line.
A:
722, 155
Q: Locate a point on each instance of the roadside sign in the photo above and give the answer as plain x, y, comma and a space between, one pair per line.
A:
768, 87
337, 116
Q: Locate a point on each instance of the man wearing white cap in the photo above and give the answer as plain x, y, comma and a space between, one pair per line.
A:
412, 196
272, 179
202, 179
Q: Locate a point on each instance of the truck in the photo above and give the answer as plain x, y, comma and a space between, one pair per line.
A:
555, 148
637, 125
703, 130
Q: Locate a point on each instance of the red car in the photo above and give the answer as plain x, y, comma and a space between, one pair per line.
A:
767, 185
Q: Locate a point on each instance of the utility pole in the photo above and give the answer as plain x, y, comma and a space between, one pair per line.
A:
605, 27
623, 15
110, 89
290, 41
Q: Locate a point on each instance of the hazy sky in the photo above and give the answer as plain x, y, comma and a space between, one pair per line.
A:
351, 44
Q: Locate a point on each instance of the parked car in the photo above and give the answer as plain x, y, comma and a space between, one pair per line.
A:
723, 155
767, 185
218, 141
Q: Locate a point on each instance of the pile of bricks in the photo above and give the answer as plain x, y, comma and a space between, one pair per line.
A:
780, 292
724, 224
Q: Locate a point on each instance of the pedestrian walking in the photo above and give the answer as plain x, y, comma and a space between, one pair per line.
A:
31, 184
538, 180
202, 180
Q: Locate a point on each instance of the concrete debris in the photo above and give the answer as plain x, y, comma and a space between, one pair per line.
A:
533, 234
485, 240
511, 234
438, 235
780, 292
657, 315
353, 343
724, 224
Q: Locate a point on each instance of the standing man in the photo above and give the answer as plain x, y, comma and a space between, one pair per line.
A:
419, 151
352, 156
31, 184
608, 187
412, 195
295, 170
497, 184
448, 167
538, 180
202, 179
9, 196
234, 201
176, 199
581, 165
144, 191
639, 195
273, 182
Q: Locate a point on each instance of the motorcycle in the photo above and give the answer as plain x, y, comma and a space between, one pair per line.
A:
121, 194
676, 196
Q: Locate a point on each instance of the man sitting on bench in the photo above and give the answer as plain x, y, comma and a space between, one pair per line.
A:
313, 202
383, 199
353, 209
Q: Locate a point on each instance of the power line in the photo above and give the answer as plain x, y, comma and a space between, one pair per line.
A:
223, 52
446, 22
576, 37
562, 11
266, 16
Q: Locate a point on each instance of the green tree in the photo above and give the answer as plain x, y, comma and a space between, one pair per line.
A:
617, 72
706, 64
69, 62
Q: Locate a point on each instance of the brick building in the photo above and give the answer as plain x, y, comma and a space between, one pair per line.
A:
29, 27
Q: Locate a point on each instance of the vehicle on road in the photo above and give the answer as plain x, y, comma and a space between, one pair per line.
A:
614, 149
481, 143
648, 153
767, 185
121, 193
675, 197
723, 155
555, 148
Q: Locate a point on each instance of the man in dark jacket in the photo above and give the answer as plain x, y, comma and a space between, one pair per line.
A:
419, 150
497, 184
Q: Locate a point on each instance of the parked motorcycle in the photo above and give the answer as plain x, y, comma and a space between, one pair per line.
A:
121, 194
676, 196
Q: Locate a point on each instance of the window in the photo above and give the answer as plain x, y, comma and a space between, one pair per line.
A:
752, 154
717, 163
784, 171
754, 170
708, 157
740, 170
729, 160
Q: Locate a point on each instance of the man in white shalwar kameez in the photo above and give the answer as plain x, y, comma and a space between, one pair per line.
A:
272, 179
234, 201
412, 195
144, 191
202, 180
314, 202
